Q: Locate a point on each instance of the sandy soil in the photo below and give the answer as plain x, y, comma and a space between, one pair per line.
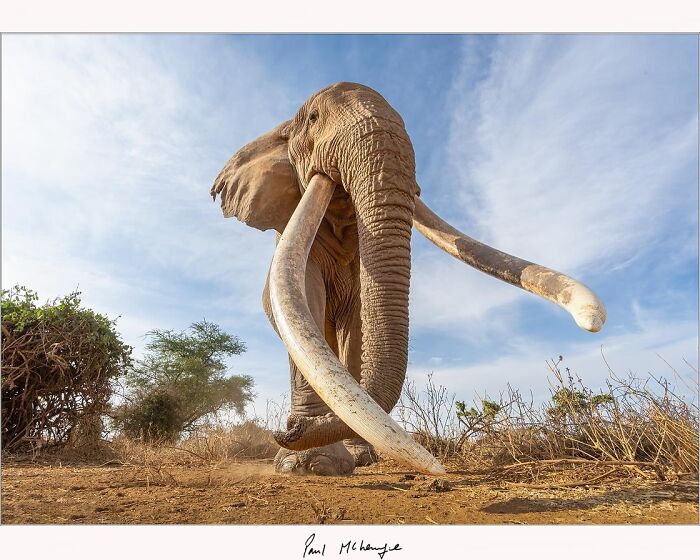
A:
251, 493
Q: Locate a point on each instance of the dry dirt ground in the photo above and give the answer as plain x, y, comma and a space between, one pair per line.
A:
251, 493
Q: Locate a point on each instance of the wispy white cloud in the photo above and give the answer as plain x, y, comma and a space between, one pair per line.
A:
110, 147
578, 142
576, 152
523, 367
449, 296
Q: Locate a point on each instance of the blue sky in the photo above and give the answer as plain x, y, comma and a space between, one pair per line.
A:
578, 152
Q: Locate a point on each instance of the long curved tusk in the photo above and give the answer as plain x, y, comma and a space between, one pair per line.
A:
308, 348
585, 307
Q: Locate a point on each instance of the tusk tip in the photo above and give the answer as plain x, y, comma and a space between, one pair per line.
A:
592, 322
427, 464
436, 469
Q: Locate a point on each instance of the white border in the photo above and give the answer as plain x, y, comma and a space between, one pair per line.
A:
327, 16
316, 16
287, 542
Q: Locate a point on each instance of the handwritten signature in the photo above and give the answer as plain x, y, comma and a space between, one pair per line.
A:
311, 550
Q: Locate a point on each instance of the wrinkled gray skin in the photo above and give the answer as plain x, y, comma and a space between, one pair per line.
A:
358, 272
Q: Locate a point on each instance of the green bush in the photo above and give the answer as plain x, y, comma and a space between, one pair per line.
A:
154, 416
59, 361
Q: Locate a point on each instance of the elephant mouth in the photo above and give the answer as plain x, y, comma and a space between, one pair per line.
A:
341, 210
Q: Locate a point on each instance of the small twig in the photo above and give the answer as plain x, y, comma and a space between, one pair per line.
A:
187, 450
115, 462
258, 499
431, 521
583, 461
563, 484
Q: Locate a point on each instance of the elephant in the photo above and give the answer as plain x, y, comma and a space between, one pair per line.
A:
338, 184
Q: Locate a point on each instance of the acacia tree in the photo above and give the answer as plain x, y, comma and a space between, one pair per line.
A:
181, 382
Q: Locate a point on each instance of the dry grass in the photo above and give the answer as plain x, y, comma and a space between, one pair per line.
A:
430, 415
210, 451
636, 427
209, 445
247, 441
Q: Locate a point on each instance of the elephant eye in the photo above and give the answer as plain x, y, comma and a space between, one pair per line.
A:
313, 116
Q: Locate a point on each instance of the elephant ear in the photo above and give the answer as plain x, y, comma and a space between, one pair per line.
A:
259, 185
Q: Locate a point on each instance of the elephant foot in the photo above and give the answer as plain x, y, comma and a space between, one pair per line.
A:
306, 432
331, 460
363, 452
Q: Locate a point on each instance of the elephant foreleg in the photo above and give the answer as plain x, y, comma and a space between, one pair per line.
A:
348, 332
305, 401
332, 459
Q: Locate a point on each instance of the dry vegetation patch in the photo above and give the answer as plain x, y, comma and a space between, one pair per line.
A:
626, 455
636, 428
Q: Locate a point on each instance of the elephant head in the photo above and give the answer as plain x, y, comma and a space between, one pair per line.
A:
348, 148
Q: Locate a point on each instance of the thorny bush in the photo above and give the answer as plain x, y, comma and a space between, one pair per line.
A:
58, 364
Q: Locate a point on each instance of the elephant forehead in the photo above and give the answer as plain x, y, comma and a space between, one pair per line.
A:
348, 98
363, 108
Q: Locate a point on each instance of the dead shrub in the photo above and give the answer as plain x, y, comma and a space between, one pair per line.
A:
248, 440
643, 424
429, 415
208, 445
59, 361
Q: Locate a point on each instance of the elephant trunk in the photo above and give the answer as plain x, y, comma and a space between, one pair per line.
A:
384, 204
